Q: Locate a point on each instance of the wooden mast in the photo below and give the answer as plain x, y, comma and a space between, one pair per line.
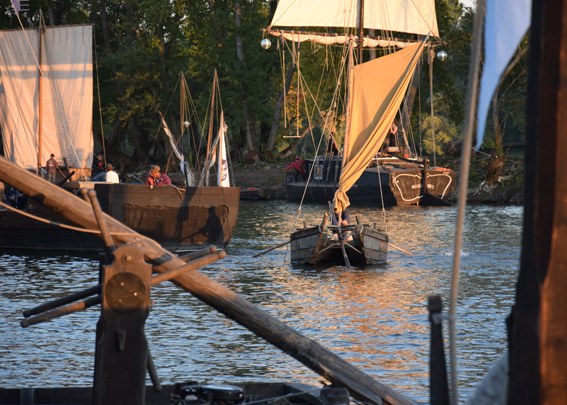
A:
360, 29
210, 129
40, 108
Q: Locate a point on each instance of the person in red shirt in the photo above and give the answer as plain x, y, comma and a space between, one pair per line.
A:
156, 178
52, 167
296, 164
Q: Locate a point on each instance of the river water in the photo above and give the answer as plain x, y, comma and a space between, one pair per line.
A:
375, 316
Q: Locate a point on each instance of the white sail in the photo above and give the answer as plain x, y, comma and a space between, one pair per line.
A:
66, 99
222, 177
409, 16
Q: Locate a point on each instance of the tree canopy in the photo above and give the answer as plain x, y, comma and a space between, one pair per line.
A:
143, 47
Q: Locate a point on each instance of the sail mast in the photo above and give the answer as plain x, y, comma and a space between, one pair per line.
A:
210, 127
346, 143
40, 109
360, 29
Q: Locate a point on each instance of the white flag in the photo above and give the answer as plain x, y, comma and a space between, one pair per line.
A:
506, 24
223, 180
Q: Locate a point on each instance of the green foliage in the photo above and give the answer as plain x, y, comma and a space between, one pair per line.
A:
445, 131
142, 47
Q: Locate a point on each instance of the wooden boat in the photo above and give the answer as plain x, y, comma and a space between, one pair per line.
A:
60, 122
387, 182
375, 91
363, 243
179, 218
189, 393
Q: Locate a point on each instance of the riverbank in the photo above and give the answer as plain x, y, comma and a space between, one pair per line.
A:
509, 190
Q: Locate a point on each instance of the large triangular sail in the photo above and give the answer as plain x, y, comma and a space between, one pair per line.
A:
407, 16
67, 95
377, 91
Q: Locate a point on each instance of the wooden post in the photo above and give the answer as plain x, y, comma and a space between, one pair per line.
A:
324, 362
125, 306
537, 327
438, 385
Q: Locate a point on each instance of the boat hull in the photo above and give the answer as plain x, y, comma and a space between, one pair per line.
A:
314, 245
178, 218
387, 184
306, 394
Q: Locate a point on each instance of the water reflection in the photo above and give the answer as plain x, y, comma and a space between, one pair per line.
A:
374, 316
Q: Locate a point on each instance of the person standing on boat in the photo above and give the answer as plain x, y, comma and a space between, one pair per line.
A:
52, 167
111, 175
332, 147
296, 165
156, 178
392, 133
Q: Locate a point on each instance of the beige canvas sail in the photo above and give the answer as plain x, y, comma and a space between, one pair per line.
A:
410, 16
67, 95
377, 90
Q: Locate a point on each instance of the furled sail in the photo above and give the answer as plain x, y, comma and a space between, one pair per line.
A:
185, 169
377, 91
336, 39
222, 176
409, 16
66, 95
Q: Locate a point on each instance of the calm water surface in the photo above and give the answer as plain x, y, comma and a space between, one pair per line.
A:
374, 317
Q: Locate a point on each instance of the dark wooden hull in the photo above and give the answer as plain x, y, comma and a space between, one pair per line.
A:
177, 218
314, 246
389, 184
302, 393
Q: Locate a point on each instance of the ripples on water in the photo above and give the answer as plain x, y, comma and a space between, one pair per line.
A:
374, 317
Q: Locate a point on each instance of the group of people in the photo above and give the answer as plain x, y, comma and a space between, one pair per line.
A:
155, 177
107, 173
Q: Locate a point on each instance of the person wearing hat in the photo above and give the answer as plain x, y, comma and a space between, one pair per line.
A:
111, 175
156, 178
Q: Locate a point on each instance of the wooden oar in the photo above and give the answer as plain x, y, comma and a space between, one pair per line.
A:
401, 250
319, 359
272, 248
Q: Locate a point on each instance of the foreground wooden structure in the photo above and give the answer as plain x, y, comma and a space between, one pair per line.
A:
333, 368
537, 327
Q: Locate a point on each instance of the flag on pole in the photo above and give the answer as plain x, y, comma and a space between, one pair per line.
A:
506, 24
16, 4
223, 180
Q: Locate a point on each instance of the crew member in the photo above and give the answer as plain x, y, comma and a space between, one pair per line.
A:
111, 175
52, 167
156, 178
296, 164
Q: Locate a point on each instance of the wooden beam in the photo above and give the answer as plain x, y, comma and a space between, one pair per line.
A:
324, 362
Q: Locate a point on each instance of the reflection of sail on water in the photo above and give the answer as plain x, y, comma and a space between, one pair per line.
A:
49, 110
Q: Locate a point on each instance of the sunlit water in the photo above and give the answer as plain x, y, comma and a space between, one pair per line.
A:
375, 317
